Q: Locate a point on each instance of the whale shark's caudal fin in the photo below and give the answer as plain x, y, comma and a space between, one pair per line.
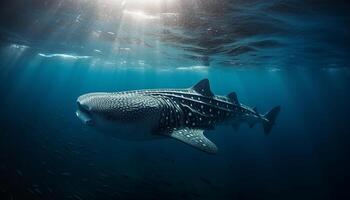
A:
271, 118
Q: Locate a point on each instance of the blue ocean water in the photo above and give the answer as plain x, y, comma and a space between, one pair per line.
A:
285, 52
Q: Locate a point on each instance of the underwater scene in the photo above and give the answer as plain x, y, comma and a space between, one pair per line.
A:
174, 99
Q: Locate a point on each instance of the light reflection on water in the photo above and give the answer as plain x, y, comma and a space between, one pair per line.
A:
166, 33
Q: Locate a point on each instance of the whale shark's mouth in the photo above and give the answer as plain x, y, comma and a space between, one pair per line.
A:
84, 115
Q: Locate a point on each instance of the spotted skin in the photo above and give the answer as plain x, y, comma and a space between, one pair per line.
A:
183, 114
187, 108
195, 137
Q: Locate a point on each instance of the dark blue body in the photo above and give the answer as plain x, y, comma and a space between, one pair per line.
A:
187, 108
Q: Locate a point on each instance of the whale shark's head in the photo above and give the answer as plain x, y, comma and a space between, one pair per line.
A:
88, 106
118, 110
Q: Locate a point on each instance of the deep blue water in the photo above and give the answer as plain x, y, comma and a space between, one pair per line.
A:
289, 53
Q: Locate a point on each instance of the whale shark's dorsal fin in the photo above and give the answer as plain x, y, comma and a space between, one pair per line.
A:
195, 138
233, 97
203, 88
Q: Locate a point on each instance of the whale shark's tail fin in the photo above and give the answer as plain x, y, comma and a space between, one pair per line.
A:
270, 119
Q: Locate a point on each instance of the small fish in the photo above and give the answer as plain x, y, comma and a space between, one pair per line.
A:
76, 196
195, 194
65, 174
19, 172
43, 147
76, 152
126, 176
106, 186
205, 180
37, 190
30, 190
49, 189
103, 175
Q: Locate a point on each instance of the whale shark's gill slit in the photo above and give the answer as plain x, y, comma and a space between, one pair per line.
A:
171, 114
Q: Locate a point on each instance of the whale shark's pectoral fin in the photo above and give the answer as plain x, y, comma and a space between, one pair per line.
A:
195, 138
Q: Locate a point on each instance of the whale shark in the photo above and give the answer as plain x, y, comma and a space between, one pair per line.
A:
181, 114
